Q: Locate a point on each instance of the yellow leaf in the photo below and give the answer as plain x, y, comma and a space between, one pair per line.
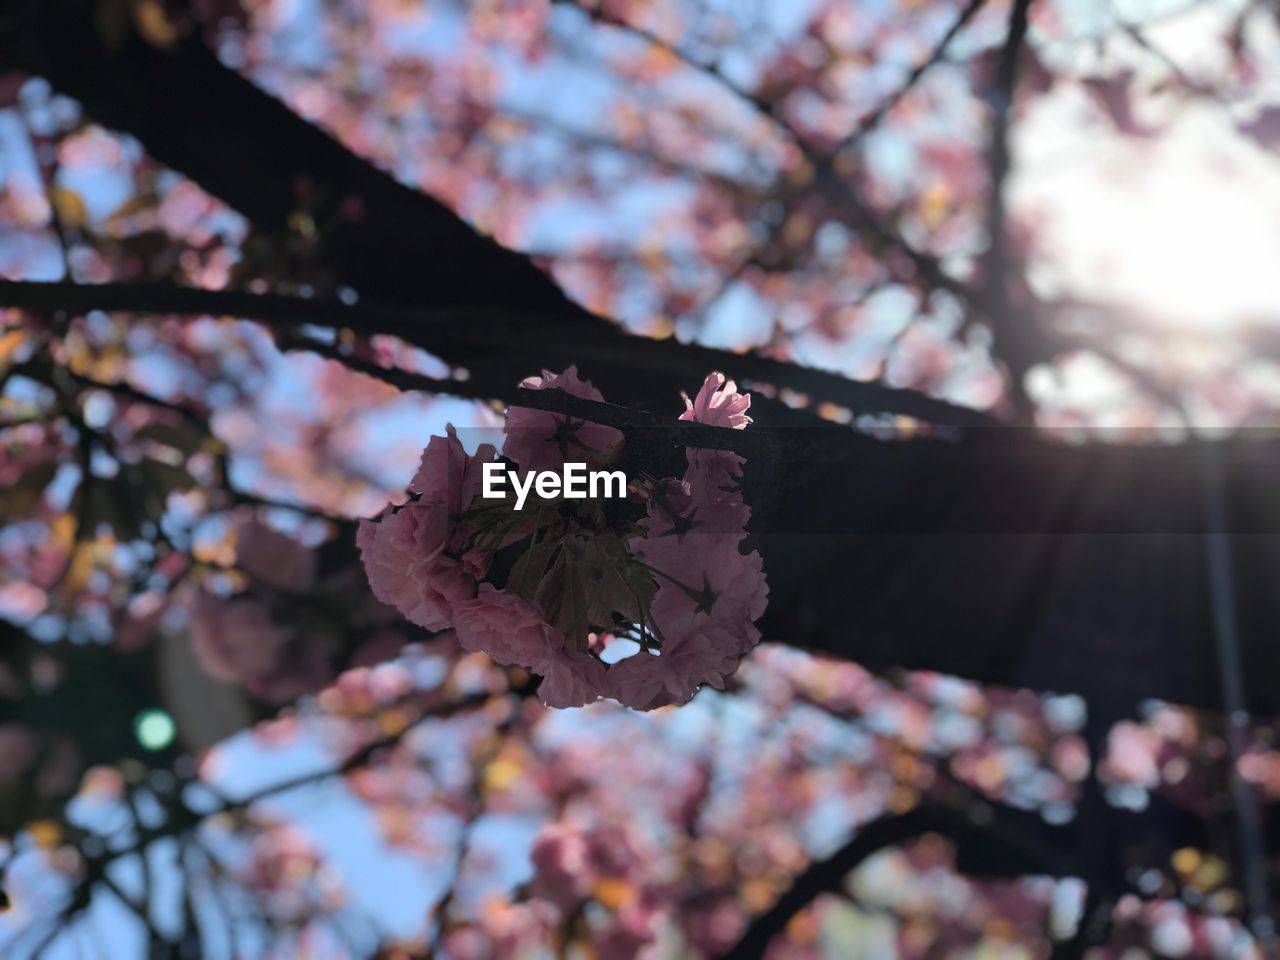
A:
83, 562
501, 774
63, 530
661, 60
46, 834
758, 894
392, 723
612, 892
935, 203
10, 342
803, 928
801, 175
153, 25
660, 328
1186, 860
1212, 872
135, 204
70, 207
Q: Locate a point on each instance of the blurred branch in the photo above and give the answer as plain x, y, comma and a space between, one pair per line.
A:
765, 108
401, 379
647, 153
1094, 927
1014, 336
243, 146
1137, 33
439, 912
68, 402
1252, 863
200, 423
361, 758
872, 119
182, 821
143, 909
828, 875
159, 945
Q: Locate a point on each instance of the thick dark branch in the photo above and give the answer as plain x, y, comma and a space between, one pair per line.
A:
500, 338
207, 122
248, 149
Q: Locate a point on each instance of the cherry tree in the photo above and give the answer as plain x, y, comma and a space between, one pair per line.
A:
936, 342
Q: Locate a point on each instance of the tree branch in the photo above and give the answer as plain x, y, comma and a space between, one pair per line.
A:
1016, 337
872, 119
824, 876
495, 338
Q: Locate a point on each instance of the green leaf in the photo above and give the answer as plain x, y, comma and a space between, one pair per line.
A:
563, 595
528, 572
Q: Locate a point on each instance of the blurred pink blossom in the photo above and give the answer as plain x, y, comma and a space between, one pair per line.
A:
274, 558
17, 750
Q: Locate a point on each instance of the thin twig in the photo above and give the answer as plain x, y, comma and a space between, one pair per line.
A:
873, 119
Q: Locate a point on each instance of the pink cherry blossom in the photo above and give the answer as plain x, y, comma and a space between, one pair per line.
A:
569, 865
571, 679
448, 474
718, 404
686, 662
715, 483
641, 683
404, 558
612, 852
510, 928
724, 586
506, 627
540, 440
236, 639
275, 559
17, 750
559, 858
713, 922
630, 932
1264, 128
708, 592
476, 562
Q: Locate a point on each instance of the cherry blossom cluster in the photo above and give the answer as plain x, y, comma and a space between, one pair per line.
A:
567, 588
601, 865
281, 637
